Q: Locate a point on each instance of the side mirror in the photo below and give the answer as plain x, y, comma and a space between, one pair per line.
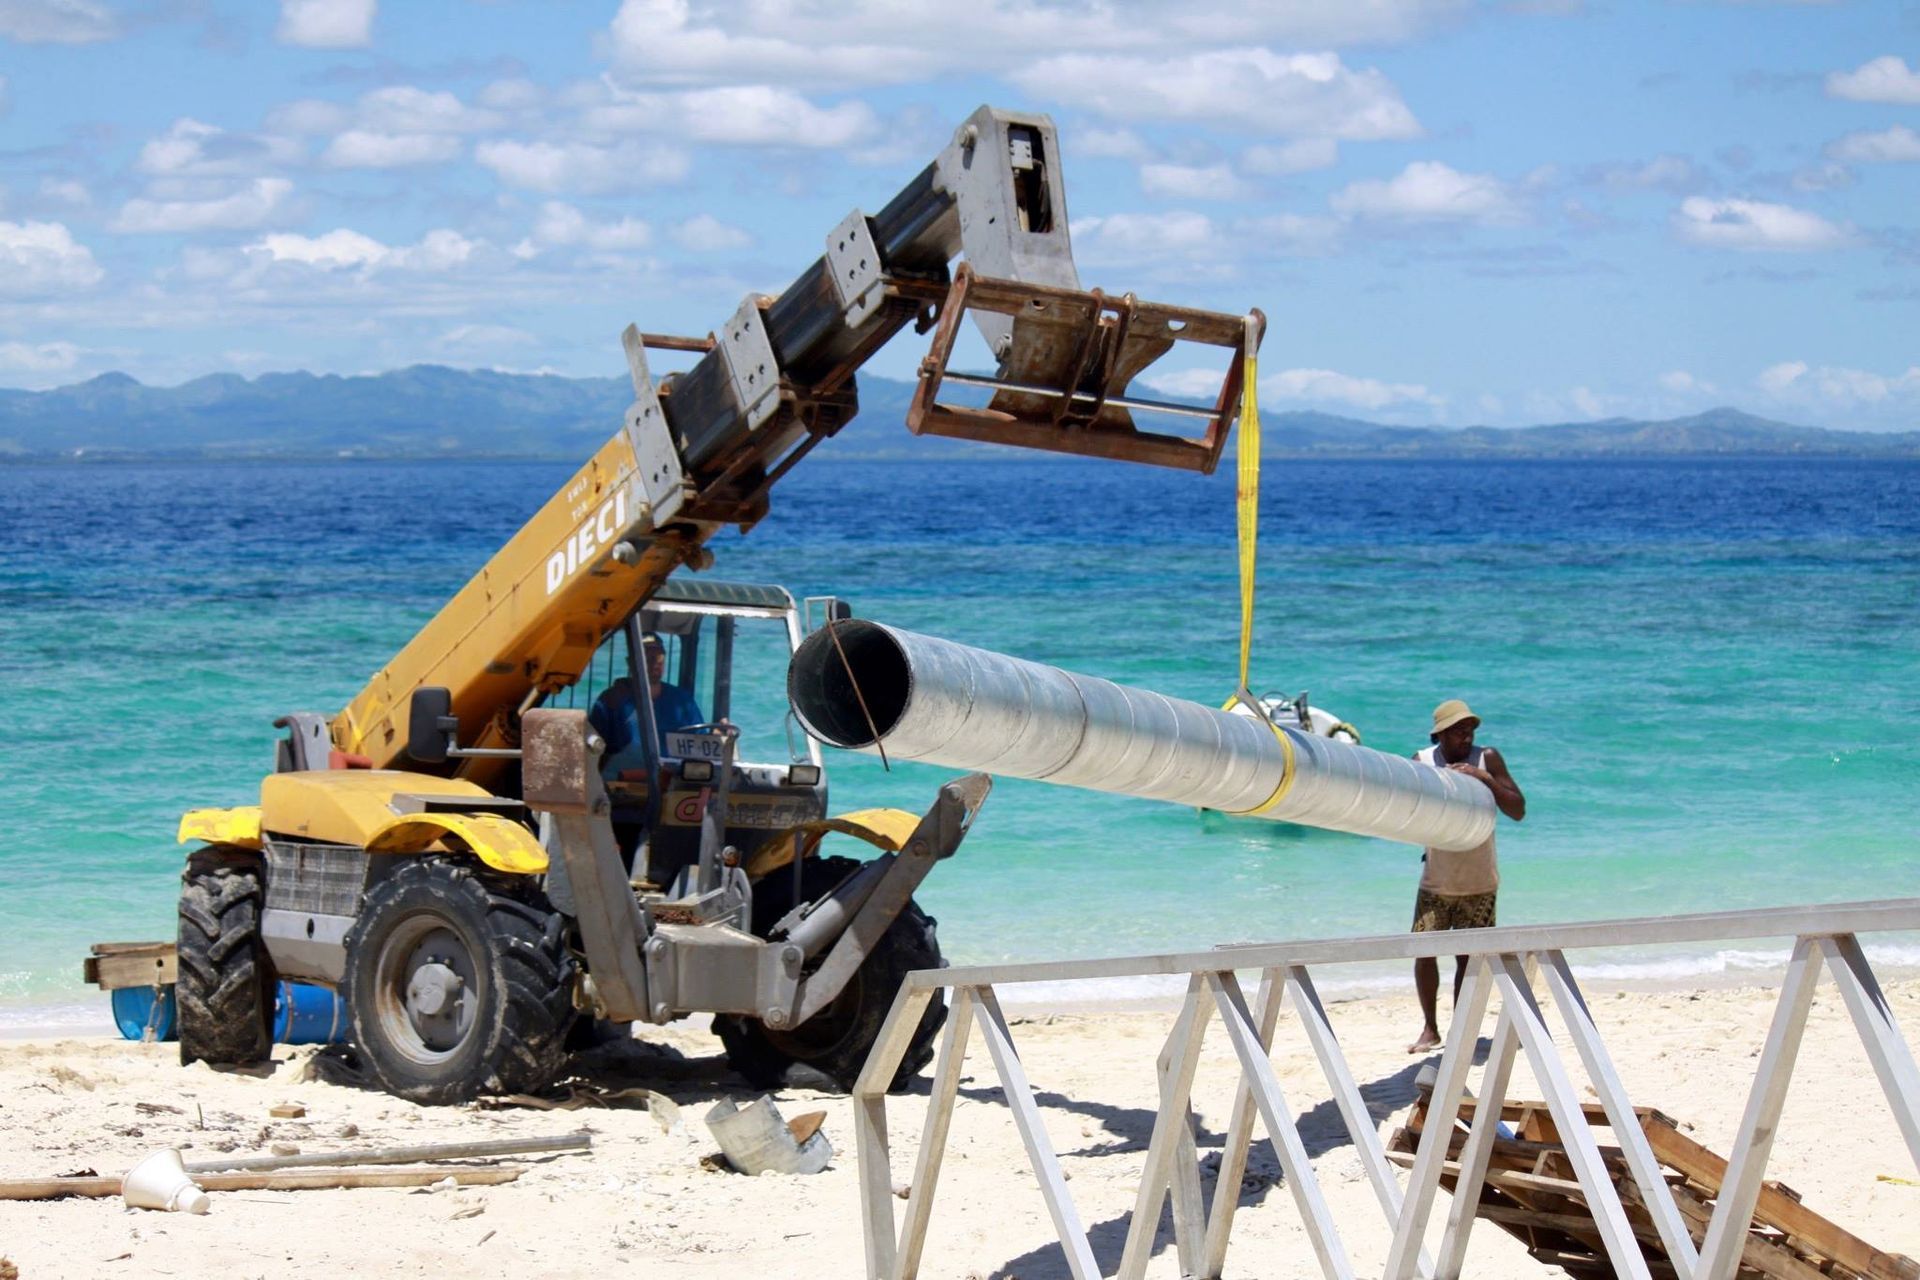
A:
431, 725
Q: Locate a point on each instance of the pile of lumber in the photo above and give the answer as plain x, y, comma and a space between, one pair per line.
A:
1531, 1191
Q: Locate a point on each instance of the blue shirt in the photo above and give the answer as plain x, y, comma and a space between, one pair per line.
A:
616, 717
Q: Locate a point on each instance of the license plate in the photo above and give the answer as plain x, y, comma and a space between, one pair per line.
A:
696, 746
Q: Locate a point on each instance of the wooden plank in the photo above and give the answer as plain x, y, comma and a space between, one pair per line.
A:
282, 1180
144, 964
1300, 1178
1033, 1133
1178, 1062
1450, 1087
1647, 1176
1476, 1155
933, 1140
876, 1181
1233, 1157
1781, 1211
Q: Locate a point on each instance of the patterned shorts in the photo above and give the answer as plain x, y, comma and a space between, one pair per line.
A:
1433, 912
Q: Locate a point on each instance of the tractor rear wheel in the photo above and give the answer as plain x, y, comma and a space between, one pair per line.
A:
457, 990
224, 989
835, 1042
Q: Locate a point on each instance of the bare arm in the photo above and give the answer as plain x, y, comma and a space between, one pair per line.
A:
1506, 792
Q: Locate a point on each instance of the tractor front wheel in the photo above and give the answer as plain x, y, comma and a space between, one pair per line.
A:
456, 990
835, 1041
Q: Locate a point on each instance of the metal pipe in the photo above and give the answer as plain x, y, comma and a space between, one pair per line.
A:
945, 703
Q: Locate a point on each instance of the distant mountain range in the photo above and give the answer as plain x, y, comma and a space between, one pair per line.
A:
432, 411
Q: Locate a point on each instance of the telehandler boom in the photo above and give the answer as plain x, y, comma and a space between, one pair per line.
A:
451, 851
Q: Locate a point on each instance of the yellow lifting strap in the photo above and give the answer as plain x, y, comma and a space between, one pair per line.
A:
1247, 505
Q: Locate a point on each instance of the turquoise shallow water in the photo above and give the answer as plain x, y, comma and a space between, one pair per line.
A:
1703, 674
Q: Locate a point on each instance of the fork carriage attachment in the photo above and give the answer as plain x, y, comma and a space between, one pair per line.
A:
1068, 364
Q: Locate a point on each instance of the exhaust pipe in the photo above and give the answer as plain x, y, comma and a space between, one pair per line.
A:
943, 703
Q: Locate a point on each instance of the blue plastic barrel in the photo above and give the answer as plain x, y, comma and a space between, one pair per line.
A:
134, 1008
301, 1014
308, 1015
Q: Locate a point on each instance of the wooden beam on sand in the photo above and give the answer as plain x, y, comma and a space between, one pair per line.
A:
288, 1180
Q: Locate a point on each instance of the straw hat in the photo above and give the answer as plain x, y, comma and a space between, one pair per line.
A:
1450, 713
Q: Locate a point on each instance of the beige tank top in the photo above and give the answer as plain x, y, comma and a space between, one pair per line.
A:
1459, 873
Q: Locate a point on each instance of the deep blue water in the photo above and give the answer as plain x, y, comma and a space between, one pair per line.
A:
1702, 673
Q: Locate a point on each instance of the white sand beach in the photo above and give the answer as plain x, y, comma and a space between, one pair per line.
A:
650, 1202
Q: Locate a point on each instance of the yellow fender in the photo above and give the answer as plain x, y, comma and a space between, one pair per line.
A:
239, 827
884, 829
502, 844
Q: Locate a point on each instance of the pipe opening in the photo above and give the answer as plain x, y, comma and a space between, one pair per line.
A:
822, 692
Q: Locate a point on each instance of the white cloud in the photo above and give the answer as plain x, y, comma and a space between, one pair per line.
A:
565, 226
66, 191
739, 115
1191, 384
704, 233
1428, 191
1680, 382
1210, 182
1838, 387
1291, 235
1897, 145
581, 166
1301, 156
658, 42
805, 42
341, 249
56, 21
1755, 225
484, 337
1674, 174
512, 95
1185, 243
326, 24
1886, 79
1328, 387
43, 357
1777, 378
360, 149
1110, 144
37, 257
1120, 235
308, 116
190, 148
246, 208
400, 126
1273, 94
406, 109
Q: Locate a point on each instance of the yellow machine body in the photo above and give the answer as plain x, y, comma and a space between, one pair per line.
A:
358, 808
530, 619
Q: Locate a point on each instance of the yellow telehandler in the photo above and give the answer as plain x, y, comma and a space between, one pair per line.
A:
477, 862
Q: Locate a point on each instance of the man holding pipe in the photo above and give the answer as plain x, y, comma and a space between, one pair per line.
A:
1458, 886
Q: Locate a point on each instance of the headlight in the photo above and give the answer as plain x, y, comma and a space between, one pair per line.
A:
697, 770
803, 775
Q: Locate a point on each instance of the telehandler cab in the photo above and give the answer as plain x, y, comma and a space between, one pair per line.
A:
459, 852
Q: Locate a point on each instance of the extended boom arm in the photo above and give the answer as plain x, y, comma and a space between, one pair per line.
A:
703, 448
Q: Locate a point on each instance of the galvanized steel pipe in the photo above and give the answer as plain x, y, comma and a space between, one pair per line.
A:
944, 703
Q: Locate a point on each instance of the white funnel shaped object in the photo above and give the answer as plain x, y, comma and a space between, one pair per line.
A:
756, 1140
161, 1182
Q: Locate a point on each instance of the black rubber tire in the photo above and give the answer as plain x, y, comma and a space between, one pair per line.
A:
835, 1042
224, 987
518, 979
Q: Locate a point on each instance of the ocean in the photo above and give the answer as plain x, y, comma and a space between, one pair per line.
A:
1704, 674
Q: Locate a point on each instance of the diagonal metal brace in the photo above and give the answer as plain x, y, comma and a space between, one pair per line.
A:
939, 834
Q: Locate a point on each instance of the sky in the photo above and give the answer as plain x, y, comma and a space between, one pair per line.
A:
1452, 212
